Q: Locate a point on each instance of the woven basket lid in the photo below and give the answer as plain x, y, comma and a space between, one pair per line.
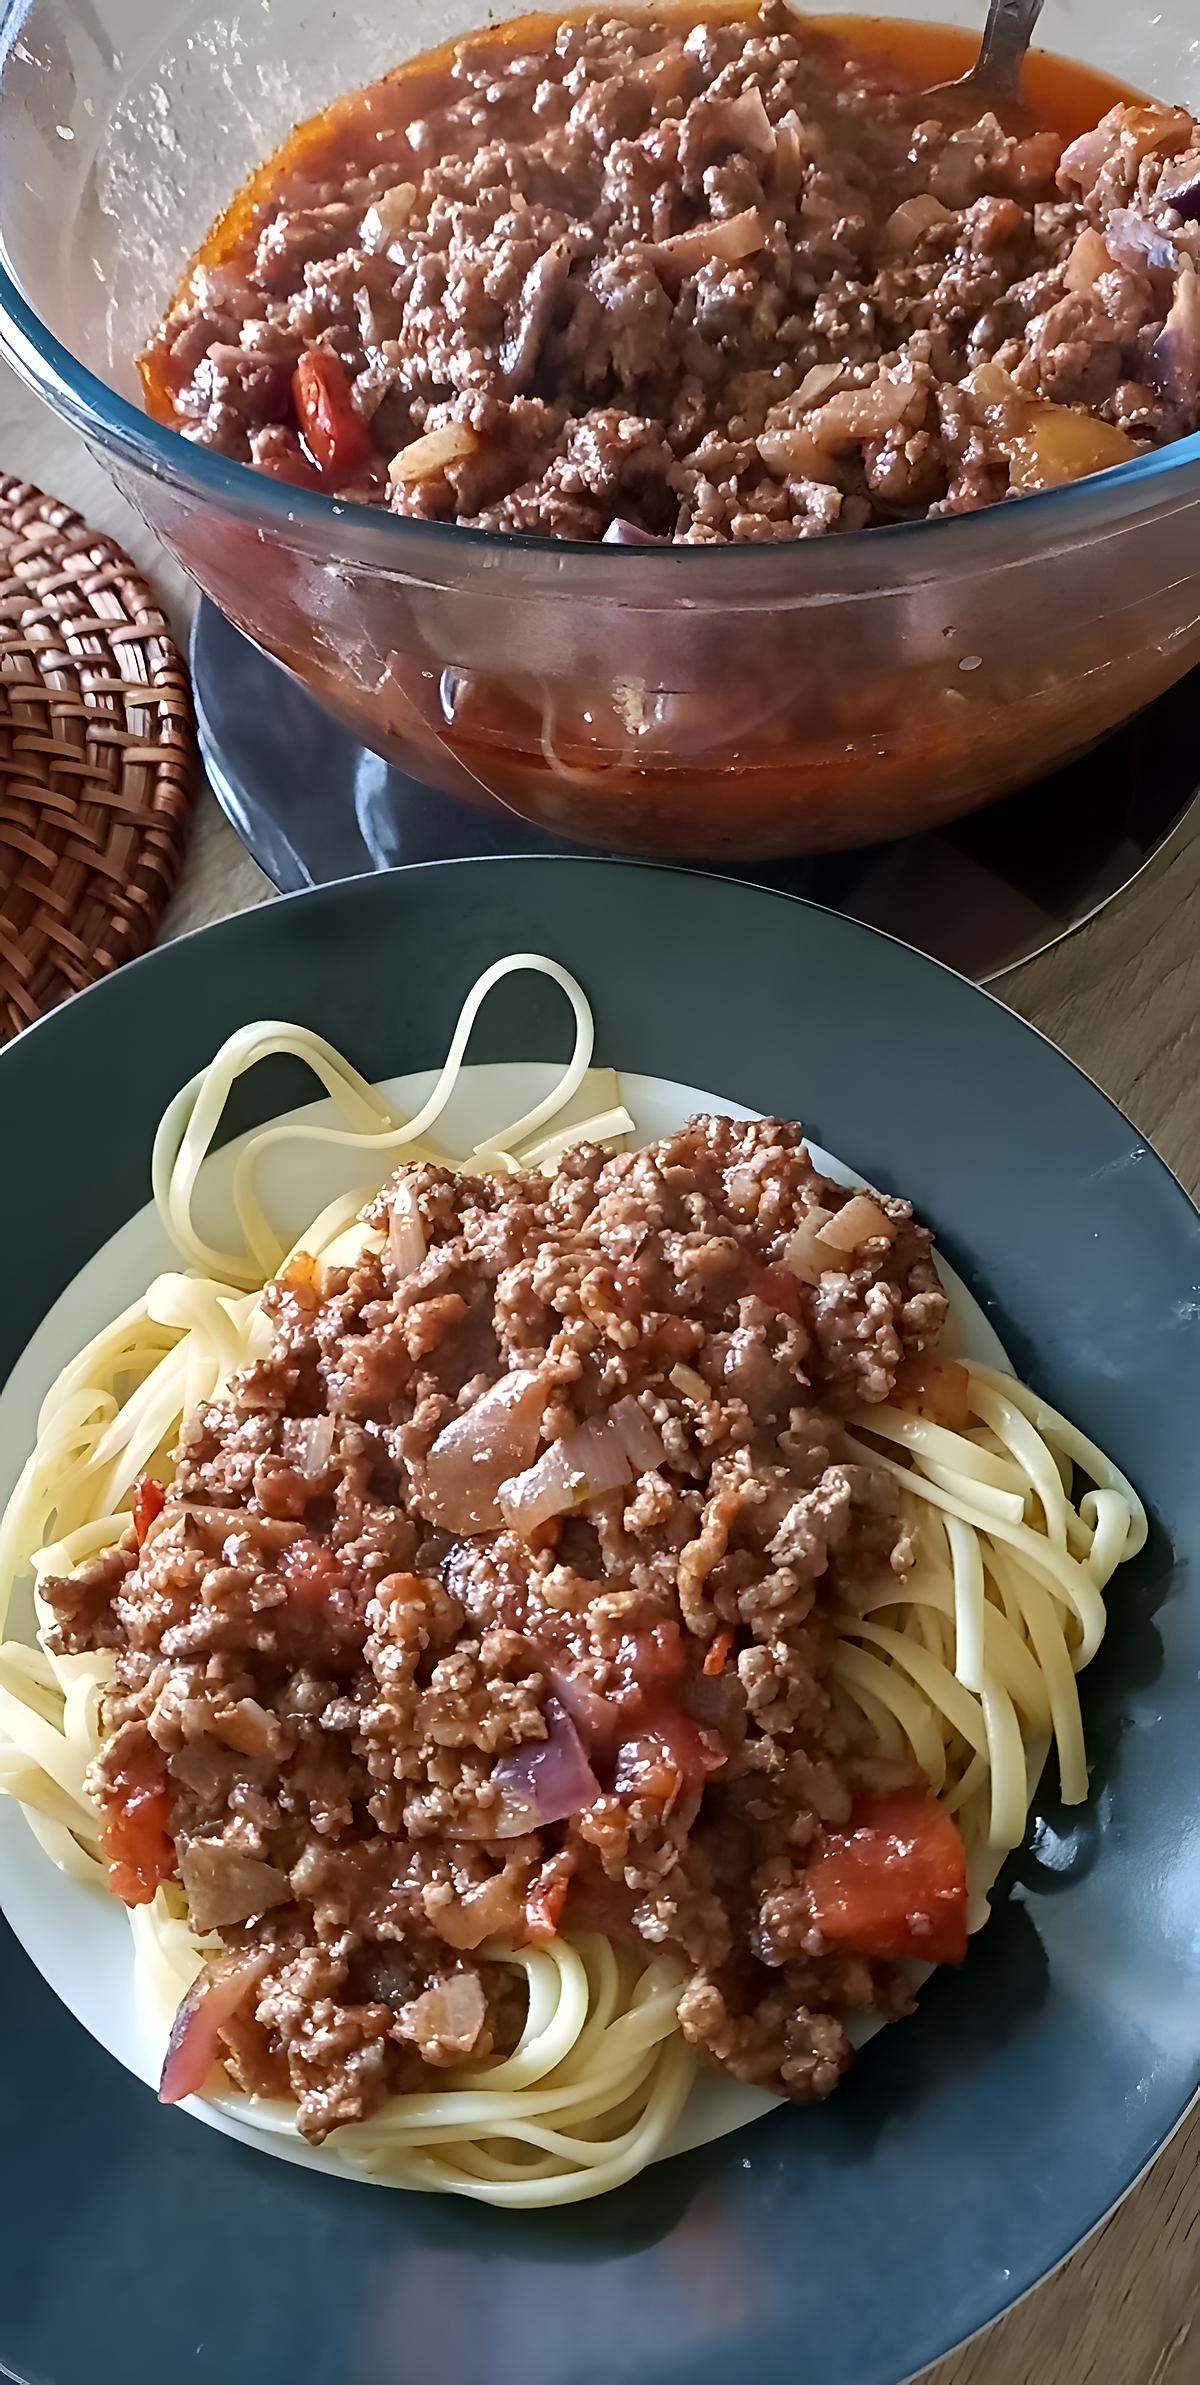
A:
97, 755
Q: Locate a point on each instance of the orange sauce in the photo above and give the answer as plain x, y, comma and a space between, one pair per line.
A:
367, 126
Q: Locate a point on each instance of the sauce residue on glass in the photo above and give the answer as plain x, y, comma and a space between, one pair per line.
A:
365, 128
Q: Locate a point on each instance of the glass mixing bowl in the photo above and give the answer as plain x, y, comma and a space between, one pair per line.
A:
737, 701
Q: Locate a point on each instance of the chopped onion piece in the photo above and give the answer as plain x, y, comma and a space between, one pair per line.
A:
743, 124
406, 1235
852, 415
1062, 444
1088, 260
551, 1487
424, 458
600, 1456
1175, 356
793, 147
795, 455
595, 1716
692, 1385
862, 1220
193, 2046
805, 1254
445, 2023
819, 382
725, 241
310, 1445
913, 218
224, 1885
1180, 187
642, 1444
387, 217
1130, 238
550, 1778
475, 1453
1083, 158
583, 1465
630, 534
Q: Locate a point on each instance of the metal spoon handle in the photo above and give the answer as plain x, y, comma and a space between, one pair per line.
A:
1006, 37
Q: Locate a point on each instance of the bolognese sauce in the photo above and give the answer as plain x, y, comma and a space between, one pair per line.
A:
700, 277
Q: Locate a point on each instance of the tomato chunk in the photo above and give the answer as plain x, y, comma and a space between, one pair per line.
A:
683, 1744
336, 437
136, 1835
149, 1500
656, 1657
314, 1574
778, 1288
544, 1900
895, 1884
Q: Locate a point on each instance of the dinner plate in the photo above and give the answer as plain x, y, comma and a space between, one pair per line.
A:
973, 2145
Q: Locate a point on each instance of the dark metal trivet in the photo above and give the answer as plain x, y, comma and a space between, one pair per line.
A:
312, 804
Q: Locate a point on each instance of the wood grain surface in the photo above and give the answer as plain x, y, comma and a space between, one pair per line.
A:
1122, 996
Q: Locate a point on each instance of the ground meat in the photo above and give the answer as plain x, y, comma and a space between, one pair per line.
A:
83, 1613
338, 1694
721, 283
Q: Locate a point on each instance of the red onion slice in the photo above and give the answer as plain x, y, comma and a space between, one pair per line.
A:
595, 1717
1180, 187
1175, 355
1132, 239
476, 1452
193, 2046
549, 1778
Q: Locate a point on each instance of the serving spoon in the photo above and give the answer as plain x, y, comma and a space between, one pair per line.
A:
994, 82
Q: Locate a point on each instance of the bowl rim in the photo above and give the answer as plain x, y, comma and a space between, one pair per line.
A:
102, 413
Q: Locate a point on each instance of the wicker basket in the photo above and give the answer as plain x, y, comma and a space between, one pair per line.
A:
97, 755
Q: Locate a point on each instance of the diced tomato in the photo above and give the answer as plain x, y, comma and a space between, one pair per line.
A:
681, 1740
936, 1388
544, 1900
895, 1884
313, 1573
778, 1288
718, 1654
149, 1500
335, 436
658, 1656
136, 1834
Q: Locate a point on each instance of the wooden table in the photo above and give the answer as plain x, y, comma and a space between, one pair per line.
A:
1123, 998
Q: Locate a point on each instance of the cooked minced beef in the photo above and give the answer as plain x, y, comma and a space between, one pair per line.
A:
377, 1727
709, 284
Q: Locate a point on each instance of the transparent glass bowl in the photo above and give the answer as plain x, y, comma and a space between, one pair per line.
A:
738, 702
